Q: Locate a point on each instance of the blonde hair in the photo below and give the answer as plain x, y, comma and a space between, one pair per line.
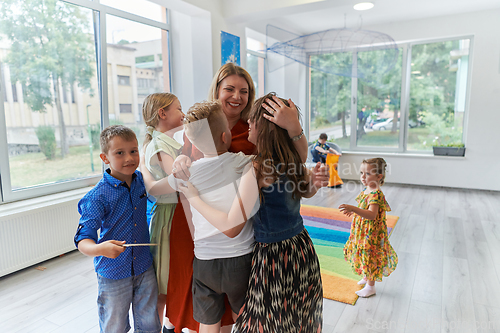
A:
379, 164
150, 110
228, 70
113, 131
275, 145
197, 131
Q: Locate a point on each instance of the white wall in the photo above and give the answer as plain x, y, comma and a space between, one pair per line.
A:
191, 61
218, 24
479, 168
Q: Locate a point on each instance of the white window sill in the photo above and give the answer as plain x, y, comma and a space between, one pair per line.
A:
42, 202
416, 155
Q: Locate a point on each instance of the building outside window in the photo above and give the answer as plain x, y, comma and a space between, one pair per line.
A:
52, 126
125, 108
124, 80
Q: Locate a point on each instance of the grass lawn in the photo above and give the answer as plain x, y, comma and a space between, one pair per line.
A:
330, 125
34, 168
379, 139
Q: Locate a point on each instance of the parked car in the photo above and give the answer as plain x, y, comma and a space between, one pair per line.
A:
371, 122
385, 125
413, 123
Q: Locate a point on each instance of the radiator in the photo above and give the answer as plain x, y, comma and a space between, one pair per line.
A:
34, 231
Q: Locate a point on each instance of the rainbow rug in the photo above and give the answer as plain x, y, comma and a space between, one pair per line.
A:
329, 230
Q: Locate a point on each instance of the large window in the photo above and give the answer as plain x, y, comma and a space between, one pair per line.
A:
418, 102
137, 54
54, 100
438, 90
330, 103
255, 65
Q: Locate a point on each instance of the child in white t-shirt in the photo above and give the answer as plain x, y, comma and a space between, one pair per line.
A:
222, 253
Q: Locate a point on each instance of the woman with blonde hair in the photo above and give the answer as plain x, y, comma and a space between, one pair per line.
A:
233, 87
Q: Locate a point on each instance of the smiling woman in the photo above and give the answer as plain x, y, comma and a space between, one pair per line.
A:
233, 86
233, 94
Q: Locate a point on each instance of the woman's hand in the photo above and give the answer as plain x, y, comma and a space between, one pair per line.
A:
180, 167
188, 190
347, 209
284, 116
287, 118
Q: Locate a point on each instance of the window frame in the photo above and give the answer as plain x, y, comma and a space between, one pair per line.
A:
99, 14
405, 47
262, 56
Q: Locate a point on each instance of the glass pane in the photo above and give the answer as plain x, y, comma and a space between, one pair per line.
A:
142, 8
255, 45
51, 100
330, 101
137, 66
255, 67
379, 101
437, 93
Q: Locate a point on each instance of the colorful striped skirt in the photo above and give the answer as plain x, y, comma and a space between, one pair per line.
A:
285, 292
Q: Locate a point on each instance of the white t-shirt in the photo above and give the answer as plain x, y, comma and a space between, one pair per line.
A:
217, 179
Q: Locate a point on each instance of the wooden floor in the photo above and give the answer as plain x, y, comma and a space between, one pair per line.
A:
447, 280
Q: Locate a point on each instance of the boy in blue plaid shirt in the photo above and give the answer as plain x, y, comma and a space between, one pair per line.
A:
116, 207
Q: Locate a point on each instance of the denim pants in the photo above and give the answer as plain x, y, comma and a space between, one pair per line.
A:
317, 156
114, 299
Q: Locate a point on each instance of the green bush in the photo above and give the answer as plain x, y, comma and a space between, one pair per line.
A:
320, 121
47, 141
95, 132
454, 145
442, 130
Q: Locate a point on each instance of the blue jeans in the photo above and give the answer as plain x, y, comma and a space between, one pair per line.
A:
114, 299
317, 156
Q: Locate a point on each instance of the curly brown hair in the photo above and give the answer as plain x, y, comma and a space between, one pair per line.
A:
205, 134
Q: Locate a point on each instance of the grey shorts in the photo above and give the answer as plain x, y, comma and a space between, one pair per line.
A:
212, 280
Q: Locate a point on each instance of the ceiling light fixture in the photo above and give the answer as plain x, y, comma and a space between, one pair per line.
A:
363, 6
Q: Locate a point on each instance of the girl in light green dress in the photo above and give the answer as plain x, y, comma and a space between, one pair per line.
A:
163, 116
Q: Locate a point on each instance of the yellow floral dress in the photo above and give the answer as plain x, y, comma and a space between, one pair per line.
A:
368, 248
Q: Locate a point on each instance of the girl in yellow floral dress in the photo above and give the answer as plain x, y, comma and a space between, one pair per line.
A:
368, 248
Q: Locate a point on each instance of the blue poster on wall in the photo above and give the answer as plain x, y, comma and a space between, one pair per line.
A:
230, 48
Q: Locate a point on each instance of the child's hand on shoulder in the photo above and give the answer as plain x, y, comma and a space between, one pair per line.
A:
180, 167
347, 209
111, 249
188, 190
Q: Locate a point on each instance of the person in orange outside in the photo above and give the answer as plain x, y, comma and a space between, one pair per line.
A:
233, 87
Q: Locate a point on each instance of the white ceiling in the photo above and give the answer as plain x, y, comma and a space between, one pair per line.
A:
308, 16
